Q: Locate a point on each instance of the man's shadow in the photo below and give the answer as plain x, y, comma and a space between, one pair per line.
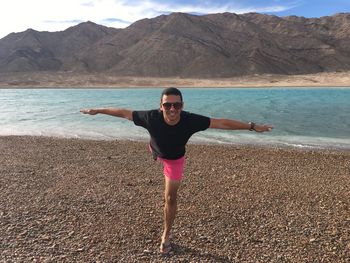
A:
179, 250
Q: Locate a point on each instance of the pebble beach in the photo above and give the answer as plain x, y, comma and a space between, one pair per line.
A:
74, 200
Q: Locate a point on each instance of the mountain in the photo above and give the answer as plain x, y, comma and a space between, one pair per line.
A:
39, 51
184, 45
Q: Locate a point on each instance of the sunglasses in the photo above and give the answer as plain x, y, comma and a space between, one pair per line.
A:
176, 105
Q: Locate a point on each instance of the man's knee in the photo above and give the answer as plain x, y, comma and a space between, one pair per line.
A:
170, 198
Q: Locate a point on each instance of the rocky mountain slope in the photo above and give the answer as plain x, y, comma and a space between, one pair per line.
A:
183, 45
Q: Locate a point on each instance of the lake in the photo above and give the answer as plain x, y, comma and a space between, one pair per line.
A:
302, 117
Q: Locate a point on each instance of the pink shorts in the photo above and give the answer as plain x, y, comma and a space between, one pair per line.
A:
173, 169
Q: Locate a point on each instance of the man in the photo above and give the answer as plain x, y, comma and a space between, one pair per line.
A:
170, 128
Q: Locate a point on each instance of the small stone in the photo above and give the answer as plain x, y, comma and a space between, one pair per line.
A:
45, 237
54, 246
203, 238
23, 233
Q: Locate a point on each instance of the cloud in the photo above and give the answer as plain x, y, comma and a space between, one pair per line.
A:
89, 4
113, 20
43, 15
137, 9
238, 7
74, 21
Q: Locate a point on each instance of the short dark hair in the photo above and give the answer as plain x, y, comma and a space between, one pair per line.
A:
171, 91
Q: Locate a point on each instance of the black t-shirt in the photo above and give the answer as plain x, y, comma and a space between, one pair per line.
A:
169, 141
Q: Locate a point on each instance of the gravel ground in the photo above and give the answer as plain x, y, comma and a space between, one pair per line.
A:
72, 200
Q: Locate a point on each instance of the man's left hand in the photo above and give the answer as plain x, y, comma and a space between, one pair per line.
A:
263, 128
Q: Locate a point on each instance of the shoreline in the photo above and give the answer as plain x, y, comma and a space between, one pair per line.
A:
109, 81
77, 200
178, 86
275, 146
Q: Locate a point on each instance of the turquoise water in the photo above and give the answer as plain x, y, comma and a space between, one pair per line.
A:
302, 117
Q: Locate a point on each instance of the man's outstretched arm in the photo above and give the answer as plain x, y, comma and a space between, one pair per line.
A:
116, 112
227, 124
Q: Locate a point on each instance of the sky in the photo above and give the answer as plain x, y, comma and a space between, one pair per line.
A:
57, 15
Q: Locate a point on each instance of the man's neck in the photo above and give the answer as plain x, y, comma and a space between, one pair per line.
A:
171, 123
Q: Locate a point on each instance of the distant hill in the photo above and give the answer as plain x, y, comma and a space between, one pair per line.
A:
183, 45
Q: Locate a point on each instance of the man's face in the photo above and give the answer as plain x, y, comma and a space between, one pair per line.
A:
171, 106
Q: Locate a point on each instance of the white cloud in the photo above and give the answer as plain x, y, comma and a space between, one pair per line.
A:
55, 15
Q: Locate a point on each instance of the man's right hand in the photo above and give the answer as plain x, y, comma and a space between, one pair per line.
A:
116, 112
89, 111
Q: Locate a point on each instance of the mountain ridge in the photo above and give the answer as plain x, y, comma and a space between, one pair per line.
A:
184, 45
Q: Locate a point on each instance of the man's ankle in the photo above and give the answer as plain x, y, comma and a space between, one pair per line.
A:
165, 238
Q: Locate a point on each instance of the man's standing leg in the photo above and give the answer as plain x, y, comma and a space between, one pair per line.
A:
170, 207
